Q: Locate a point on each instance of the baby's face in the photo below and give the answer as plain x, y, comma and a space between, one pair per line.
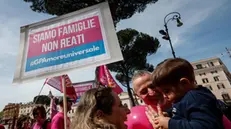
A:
172, 93
168, 92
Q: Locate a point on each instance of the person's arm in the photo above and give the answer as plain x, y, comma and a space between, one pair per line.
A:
200, 116
53, 107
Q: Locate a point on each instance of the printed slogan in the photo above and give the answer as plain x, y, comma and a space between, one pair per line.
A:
67, 43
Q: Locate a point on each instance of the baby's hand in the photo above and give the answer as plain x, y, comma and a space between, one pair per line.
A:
158, 120
162, 121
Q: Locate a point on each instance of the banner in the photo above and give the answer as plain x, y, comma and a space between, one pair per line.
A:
65, 43
105, 78
82, 87
80, 39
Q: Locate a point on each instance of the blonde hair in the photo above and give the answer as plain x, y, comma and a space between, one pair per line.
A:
93, 100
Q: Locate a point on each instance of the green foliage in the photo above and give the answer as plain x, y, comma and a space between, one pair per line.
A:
120, 9
135, 47
42, 99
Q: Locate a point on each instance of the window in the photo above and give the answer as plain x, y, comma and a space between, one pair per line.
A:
225, 96
202, 74
216, 78
220, 85
199, 66
212, 72
209, 87
220, 63
205, 80
210, 64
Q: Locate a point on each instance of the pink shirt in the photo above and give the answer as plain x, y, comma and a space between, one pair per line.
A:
2, 126
39, 126
58, 121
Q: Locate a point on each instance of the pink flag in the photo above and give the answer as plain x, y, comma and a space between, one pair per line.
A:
56, 82
105, 78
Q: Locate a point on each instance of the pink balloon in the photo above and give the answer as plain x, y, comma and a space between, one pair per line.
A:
137, 119
226, 122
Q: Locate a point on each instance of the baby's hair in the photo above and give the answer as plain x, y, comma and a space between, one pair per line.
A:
171, 70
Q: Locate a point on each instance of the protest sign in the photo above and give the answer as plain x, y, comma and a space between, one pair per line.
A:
80, 39
82, 87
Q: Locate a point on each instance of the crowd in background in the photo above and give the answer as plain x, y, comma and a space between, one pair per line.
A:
173, 101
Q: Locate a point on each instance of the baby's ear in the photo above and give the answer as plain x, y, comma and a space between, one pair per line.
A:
99, 114
184, 81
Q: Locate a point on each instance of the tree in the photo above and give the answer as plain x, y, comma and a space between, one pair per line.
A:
120, 9
135, 47
42, 99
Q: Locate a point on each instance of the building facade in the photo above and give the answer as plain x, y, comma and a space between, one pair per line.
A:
124, 97
10, 114
71, 113
213, 74
27, 109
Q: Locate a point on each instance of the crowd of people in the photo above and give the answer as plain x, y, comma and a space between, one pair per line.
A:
172, 98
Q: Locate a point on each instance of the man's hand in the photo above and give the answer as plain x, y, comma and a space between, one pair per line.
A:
158, 120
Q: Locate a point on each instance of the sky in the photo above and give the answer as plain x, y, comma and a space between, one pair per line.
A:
204, 34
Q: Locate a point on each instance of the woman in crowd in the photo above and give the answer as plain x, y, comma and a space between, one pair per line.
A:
100, 108
39, 114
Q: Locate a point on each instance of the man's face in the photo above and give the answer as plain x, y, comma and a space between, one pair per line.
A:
146, 91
